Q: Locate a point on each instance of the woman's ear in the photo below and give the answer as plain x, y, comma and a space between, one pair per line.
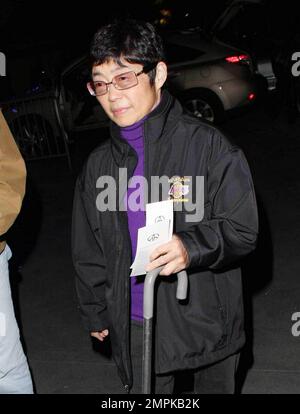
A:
161, 75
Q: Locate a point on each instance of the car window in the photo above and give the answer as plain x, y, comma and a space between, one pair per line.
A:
248, 28
177, 53
75, 81
84, 108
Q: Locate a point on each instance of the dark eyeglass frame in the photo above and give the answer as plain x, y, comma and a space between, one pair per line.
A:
146, 69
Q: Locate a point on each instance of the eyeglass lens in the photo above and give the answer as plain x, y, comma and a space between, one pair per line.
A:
123, 81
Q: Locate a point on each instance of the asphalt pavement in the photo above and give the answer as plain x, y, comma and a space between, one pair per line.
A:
62, 357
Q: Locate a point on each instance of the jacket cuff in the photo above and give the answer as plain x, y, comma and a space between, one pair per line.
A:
95, 322
191, 247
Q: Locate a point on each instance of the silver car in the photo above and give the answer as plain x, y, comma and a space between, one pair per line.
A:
209, 77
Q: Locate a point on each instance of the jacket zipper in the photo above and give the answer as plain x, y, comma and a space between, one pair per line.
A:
127, 287
146, 163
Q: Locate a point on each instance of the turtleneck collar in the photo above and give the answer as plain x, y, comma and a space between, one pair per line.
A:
134, 126
133, 132
157, 122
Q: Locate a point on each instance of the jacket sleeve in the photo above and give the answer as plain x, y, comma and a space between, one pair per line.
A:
12, 178
89, 262
230, 231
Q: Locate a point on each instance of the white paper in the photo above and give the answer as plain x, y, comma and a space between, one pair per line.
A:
158, 231
160, 211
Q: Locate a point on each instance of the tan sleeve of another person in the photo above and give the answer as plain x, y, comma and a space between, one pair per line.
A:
12, 178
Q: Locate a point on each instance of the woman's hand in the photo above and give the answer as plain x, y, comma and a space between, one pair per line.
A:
172, 255
100, 335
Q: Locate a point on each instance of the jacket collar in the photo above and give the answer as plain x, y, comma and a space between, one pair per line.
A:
159, 121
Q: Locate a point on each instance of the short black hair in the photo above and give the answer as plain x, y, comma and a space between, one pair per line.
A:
136, 41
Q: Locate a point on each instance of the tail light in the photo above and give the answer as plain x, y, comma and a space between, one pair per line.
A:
239, 59
251, 96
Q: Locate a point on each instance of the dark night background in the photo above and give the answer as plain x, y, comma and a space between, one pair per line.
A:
46, 36
38, 36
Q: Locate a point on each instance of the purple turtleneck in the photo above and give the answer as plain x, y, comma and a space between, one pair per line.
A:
133, 134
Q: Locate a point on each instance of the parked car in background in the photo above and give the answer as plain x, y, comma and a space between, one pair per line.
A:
44, 119
270, 33
247, 24
257, 27
208, 77
79, 110
35, 122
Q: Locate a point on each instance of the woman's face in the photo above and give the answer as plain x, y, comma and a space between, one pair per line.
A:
127, 106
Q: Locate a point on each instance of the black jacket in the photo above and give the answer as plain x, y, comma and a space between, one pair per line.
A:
208, 326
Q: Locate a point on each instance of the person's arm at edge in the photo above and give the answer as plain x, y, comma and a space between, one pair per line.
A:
12, 178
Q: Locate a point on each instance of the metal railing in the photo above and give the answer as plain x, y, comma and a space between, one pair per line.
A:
37, 127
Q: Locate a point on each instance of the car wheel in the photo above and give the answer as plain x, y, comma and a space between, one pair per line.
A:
203, 104
34, 136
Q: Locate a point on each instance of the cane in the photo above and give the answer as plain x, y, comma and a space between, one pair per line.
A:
148, 317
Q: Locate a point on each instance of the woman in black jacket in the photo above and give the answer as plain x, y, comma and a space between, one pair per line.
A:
151, 136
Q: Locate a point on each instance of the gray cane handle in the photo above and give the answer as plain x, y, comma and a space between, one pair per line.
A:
149, 292
149, 289
182, 285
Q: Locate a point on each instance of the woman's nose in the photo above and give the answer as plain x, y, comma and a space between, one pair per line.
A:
113, 93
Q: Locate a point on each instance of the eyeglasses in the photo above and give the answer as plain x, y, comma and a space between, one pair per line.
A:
125, 80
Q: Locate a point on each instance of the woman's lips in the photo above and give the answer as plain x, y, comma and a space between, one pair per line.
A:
119, 111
